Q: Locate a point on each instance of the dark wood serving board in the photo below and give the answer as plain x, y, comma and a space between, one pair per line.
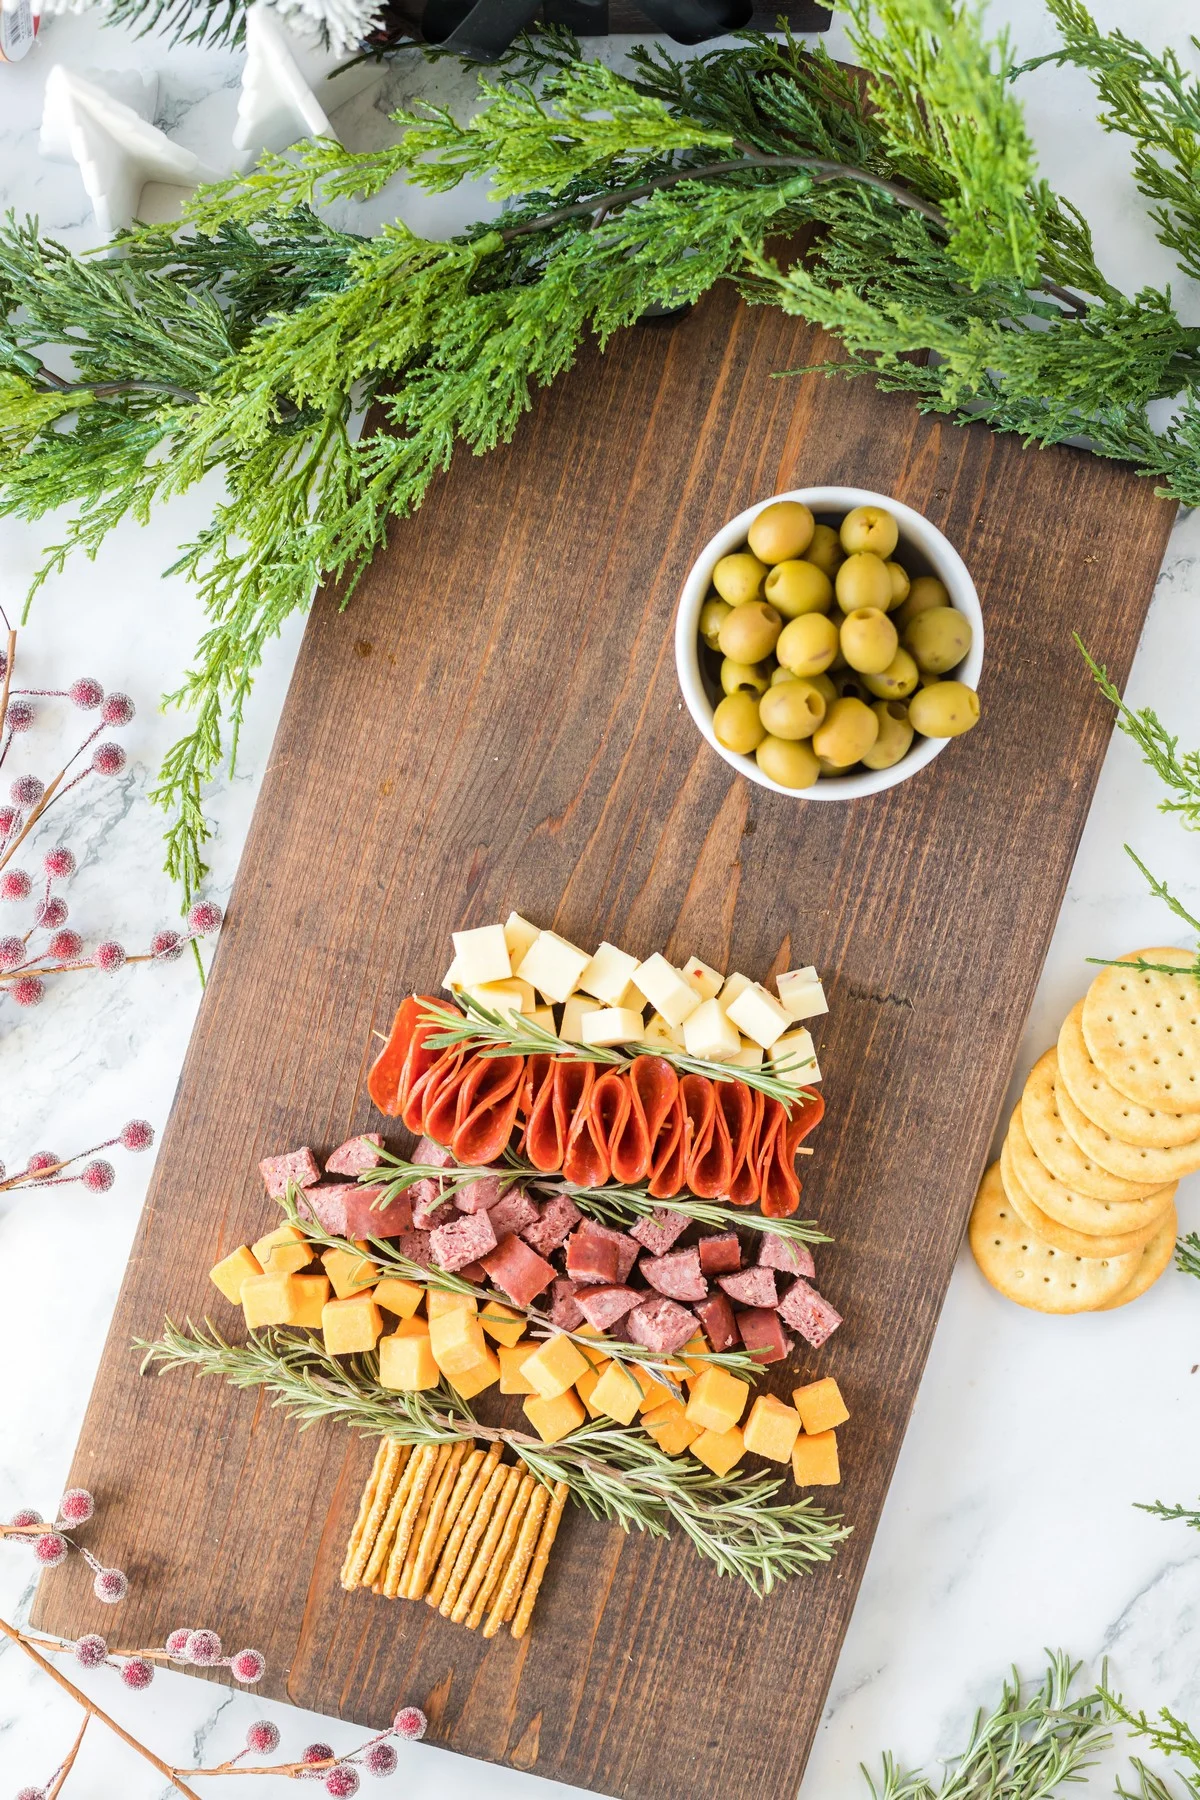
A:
495, 722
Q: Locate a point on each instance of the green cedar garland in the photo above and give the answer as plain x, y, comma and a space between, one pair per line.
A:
246, 345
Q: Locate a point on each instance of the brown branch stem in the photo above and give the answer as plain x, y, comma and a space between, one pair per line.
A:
60, 1779
65, 968
10, 657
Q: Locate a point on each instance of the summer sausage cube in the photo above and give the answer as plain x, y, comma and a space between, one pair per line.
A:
660, 1324
716, 1316
809, 1313
676, 1275
297, 1166
430, 1155
751, 1287
518, 1270
565, 1311
592, 1253
785, 1254
429, 1209
479, 1196
721, 1253
415, 1246
763, 1335
365, 1218
659, 1230
603, 1306
356, 1155
464, 1240
558, 1219
513, 1213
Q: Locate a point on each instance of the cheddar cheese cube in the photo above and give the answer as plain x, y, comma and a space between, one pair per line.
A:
820, 1405
719, 1450
553, 965
815, 1460
511, 1357
717, 1400
406, 1361
554, 1366
351, 1325
608, 974
585, 1387
502, 1323
310, 1294
597, 1355
670, 1428
665, 989
457, 1341
232, 1270
771, 1429
277, 1297
481, 955
348, 1271
553, 1419
617, 1394
758, 1015
283, 1251
438, 1302
399, 1297
654, 1393
483, 1374
695, 1354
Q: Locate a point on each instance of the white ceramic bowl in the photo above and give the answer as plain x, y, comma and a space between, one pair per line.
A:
929, 553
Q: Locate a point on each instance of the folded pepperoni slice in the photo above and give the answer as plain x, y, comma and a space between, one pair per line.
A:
778, 1188
573, 1080
585, 1159
611, 1104
741, 1107
539, 1070
653, 1085
668, 1158
544, 1143
486, 1110
709, 1163
434, 1104
387, 1071
807, 1111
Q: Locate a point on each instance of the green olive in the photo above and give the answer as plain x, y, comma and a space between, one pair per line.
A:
895, 735
900, 583
869, 640
945, 709
863, 580
924, 591
788, 762
938, 639
824, 686
830, 768
751, 676
750, 631
897, 681
781, 531
807, 645
792, 710
826, 550
713, 614
739, 577
849, 684
869, 528
736, 723
849, 730
781, 674
798, 587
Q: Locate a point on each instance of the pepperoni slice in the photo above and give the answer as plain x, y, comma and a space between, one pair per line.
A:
585, 1160
653, 1085
668, 1158
437, 1095
709, 1162
778, 1188
572, 1084
386, 1083
808, 1111
544, 1144
741, 1107
538, 1071
611, 1105
486, 1109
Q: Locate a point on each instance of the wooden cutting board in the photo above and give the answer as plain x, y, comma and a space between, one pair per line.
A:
495, 722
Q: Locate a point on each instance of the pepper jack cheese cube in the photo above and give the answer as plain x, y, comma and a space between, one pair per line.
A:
483, 1374
617, 1394
771, 1429
608, 974
481, 955
277, 1297
820, 1405
507, 998
708, 1032
351, 1326
801, 993
657, 1031
518, 935
571, 1028
706, 981
554, 1366
670, 1428
348, 1271
759, 1015
735, 984
815, 1460
502, 1323
553, 1419
232, 1270
457, 1341
397, 1296
796, 1047
553, 965
285, 1250
406, 1361
611, 1025
717, 1400
719, 1450
665, 989
750, 1056
511, 1356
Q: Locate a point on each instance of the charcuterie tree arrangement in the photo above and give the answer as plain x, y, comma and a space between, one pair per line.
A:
245, 342
599, 1215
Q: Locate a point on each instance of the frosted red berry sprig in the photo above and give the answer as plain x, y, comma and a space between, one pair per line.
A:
46, 1168
339, 1775
51, 1545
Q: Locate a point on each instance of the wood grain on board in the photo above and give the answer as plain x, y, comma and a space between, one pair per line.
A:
495, 722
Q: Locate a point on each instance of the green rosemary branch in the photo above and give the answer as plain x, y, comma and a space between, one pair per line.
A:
1190, 1515
1166, 1733
1187, 1254
1152, 1786
614, 1472
1160, 750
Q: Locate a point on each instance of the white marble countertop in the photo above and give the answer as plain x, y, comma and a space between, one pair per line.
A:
1009, 1526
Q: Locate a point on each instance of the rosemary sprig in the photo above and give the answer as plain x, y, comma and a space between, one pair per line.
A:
614, 1472
1190, 1515
1187, 1254
1166, 1733
1160, 751
452, 1176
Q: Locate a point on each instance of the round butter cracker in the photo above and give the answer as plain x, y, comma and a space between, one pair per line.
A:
1142, 1029
1154, 1260
1058, 1151
1112, 1111
1133, 1162
1082, 1212
1034, 1274
1078, 1243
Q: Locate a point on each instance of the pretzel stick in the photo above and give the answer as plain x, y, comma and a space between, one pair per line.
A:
364, 1509
463, 1487
377, 1561
514, 1575
470, 1542
448, 1556
437, 1475
423, 1462
395, 1460
487, 1549
494, 1573
422, 1549
533, 1580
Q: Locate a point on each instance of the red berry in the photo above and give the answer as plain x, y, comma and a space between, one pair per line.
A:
109, 759
27, 790
137, 1135
50, 1549
65, 945
204, 1649
381, 1759
166, 946
15, 885
51, 914
59, 863
111, 1586
32, 1793
262, 1737
41, 1160
76, 1506
248, 1666
109, 956
137, 1673
410, 1722
30, 990
91, 1651
8, 818
118, 710
20, 715
177, 1643
26, 1516
204, 917
342, 1781
98, 1176
86, 693
12, 952
318, 1753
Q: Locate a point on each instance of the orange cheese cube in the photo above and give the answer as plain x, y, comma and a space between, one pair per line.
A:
483, 1374
719, 1450
438, 1301
278, 1298
585, 1387
349, 1272
554, 1367
406, 1361
351, 1325
598, 1355
553, 1419
512, 1381
412, 1327
670, 1428
718, 1400
310, 1294
456, 1339
815, 1460
772, 1428
692, 1351
284, 1250
502, 1323
399, 1297
617, 1393
820, 1405
232, 1270
654, 1393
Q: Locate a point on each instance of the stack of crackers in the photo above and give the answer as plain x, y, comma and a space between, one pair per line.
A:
1079, 1213
454, 1526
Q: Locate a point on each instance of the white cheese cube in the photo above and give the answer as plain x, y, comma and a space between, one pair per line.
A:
608, 974
518, 935
665, 989
504, 997
657, 1031
611, 1025
801, 993
544, 1016
570, 1029
452, 979
735, 984
706, 981
708, 1033
759, 1015
481, 955
750, 1056
796, 1048
553, 965
632, 996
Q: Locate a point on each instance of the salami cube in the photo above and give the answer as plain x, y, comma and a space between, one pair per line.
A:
676, 1275
473, 1272
750, 1287
716, 1316
428, 1155
465, 1239
415, 1245
356, 1155
479, 1196
785, 1254
513, 1213
327, 1205
721, 1253
558, 1219
603, 1306
297, 1166
628, 1251
364, 1218
517, 1269
592, 1253
428, 1208
659, 1230
565, 1311
763, 1335
809, 1314
660, 1324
